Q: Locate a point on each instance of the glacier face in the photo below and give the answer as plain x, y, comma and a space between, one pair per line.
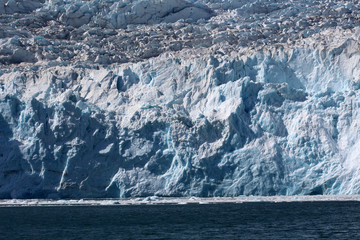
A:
178, 98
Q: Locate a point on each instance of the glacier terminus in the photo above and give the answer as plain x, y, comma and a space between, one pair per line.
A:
178, 98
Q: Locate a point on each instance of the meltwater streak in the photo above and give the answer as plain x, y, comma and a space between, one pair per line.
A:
286, 220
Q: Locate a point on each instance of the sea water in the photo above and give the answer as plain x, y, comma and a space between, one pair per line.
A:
261, 220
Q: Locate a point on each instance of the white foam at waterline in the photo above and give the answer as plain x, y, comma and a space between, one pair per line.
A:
173, 201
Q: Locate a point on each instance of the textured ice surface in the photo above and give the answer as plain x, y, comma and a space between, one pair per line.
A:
179, 98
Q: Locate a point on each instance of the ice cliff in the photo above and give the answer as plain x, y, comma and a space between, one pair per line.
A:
120, 98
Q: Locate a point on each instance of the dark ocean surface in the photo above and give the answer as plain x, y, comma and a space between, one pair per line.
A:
294, 220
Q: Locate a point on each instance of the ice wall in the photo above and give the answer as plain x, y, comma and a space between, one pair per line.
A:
225, 119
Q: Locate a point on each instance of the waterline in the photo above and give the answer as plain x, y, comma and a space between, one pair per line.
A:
169, 200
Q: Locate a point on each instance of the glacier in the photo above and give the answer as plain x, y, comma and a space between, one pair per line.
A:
175, 98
